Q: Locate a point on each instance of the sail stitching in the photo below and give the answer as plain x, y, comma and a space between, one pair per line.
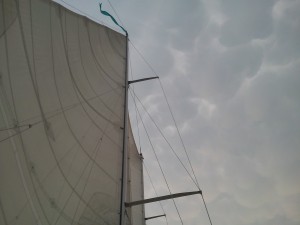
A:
68, 124
52, 170
50, 144
85, 73
99, 65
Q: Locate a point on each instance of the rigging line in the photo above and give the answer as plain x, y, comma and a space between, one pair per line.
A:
152, 69
196, 180
136, 113
19, 132
206, 209
176, 156
137, 124
143, 58
185, 150
115, 13
172, 149
163, 174
83, 13
12, 128
180, 137
147, 171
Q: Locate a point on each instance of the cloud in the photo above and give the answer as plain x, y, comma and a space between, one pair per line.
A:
248, 146
246, 20
286, 44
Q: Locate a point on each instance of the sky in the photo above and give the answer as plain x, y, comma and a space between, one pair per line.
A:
231, 73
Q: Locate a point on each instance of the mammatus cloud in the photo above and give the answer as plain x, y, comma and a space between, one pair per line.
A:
237, 103
246, 21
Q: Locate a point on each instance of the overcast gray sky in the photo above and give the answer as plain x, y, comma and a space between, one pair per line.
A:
231, 71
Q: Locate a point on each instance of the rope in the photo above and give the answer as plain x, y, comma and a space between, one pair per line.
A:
160, 167
136, 112
206, 209
4, 139
83, 13
115, 13
180, 137
167, 141
152, 69
181, 140
169, 107
12, 128
195, 181
147, 171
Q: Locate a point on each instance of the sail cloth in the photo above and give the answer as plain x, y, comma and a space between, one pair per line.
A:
135, 182
61, 116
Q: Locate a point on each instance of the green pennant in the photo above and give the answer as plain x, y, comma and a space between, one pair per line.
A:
112, 18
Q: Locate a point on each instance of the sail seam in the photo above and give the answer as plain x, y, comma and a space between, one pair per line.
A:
85, 73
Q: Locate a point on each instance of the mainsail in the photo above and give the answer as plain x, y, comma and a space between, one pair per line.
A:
62, 99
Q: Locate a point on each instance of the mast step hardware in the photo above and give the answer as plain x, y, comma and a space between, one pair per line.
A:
160, 198
143, 79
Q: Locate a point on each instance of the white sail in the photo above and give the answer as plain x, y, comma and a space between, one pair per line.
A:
135, 182
62, 93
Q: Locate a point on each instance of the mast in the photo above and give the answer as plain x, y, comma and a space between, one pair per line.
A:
125, 144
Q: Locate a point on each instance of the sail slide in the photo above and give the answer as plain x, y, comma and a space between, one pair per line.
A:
62, 93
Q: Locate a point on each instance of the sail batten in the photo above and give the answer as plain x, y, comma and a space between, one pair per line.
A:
64, 75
